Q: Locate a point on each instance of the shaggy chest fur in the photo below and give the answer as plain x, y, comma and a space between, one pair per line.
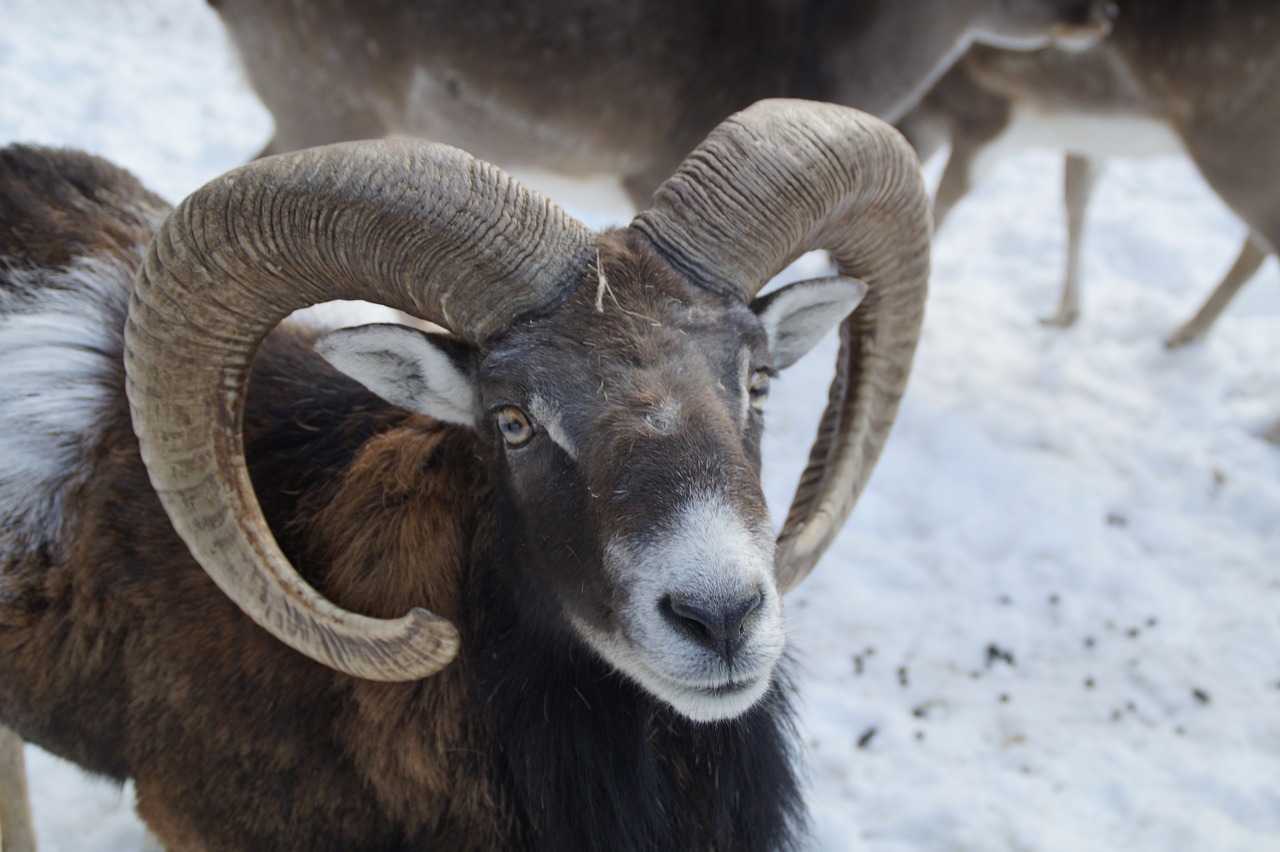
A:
588, 761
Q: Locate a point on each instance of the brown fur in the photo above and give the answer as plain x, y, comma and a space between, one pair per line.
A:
58, 205
228, 713
223, 715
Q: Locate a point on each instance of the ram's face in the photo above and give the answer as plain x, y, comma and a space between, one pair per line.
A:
630, 439
626, 434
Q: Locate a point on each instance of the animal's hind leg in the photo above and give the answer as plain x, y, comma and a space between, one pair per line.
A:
1252, 254
1080, 175
957, 179
16, 831
1273, 434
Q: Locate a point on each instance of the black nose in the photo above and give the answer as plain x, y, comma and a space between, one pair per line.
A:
718, 624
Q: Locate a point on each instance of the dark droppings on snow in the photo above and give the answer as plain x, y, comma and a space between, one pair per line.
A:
997, 654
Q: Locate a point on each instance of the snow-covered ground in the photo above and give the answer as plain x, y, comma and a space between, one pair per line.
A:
1054, 620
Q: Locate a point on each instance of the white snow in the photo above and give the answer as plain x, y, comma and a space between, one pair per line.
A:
1053, 622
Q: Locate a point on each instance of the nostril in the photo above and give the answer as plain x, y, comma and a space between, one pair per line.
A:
717, 624
688, 616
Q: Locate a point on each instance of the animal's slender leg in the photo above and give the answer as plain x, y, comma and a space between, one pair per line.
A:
956, 181
16, 831
1251, 256
1273, 434
1080, 175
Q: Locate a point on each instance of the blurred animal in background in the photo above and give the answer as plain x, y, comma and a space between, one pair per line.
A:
1175, 76
17, 834
562, 492
606, 87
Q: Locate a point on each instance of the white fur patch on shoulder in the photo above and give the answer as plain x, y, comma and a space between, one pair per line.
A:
60, 343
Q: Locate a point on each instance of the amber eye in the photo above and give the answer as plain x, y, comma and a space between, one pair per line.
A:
514, 425
758, 387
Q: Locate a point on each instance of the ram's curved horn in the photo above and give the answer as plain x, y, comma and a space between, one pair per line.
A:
422, 228
774, 181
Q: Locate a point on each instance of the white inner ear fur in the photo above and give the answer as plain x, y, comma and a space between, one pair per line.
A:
404, 366
796, 317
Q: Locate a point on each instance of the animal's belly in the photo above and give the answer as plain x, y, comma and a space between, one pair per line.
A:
1098, 135
589, 139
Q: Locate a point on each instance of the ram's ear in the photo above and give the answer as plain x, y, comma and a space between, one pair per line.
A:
427, 373
796, 317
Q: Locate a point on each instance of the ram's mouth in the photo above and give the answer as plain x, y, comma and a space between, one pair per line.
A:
712, 702
728, 689
696, 689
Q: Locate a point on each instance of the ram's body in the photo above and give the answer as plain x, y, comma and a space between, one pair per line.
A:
608, 570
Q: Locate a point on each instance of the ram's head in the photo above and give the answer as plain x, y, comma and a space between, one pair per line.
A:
618, 380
